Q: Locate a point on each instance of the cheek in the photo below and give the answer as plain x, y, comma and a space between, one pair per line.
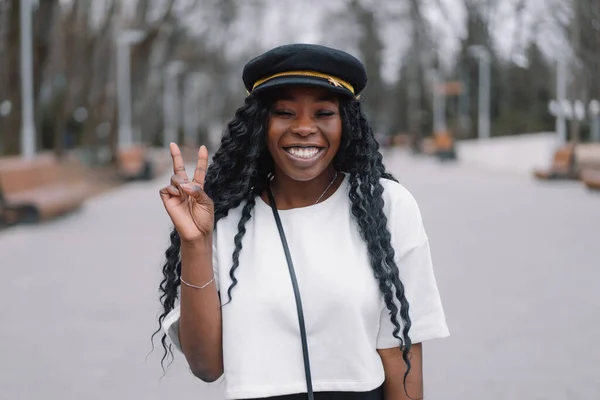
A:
274, 131
333, 132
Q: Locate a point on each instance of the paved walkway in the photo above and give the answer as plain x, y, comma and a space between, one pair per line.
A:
517, 262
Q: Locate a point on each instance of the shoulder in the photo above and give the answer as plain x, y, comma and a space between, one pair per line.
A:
405, 221
396, 197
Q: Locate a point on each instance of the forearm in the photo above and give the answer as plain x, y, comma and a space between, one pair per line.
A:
393, 389
200, 332
395, 368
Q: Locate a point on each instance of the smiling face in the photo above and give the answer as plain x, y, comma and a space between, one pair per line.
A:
305, 130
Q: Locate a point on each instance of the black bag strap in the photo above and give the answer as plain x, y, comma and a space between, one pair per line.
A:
288, 257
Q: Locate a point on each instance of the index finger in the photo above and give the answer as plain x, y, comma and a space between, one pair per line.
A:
201, 166
178, 167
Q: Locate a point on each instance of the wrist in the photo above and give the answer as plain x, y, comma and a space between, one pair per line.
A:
199, 243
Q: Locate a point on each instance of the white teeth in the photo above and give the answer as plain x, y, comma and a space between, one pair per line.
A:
303, 152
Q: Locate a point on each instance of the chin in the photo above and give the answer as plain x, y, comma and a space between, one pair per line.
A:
302, 175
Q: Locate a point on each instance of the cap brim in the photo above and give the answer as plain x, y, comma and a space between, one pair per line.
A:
284, 81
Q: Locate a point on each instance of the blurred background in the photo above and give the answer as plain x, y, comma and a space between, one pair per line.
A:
487, 110
172, 67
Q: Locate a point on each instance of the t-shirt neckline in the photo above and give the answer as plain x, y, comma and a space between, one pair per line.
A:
313, 207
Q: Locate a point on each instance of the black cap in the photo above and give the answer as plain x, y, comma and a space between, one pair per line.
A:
305, 64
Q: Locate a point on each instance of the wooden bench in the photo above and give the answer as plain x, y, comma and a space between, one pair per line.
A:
444, 146
591, 178
440, 145
12, 214
142, 163
588, 160
39, 189
133, 164
563, 165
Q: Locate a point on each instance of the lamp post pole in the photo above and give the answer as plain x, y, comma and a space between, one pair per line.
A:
483, 124
594, 109
125, 39
171, 107
561, 91
27, 122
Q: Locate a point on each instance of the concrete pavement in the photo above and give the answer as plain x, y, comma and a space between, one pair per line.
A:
517, 262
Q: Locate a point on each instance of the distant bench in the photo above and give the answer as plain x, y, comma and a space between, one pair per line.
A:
440, 145
589, 159
574, 162
141, 163
39, 189
563, 165
591, 178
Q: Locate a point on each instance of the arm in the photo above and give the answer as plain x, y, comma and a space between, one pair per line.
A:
200, 321
198, 318
395, 368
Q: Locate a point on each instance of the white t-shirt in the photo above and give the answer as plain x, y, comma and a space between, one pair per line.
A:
345, 315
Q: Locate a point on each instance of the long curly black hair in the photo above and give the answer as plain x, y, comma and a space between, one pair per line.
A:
240, 172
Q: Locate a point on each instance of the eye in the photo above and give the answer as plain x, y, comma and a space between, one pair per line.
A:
283, 113
325, 113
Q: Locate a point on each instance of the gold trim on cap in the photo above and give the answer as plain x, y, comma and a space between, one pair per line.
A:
332, 79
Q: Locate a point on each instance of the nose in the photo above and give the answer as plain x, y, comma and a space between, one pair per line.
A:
304, 125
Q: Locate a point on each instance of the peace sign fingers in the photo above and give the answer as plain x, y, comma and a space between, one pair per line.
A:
178, 166
201, 166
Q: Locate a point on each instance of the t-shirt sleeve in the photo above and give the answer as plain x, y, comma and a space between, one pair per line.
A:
170, 324
413, 259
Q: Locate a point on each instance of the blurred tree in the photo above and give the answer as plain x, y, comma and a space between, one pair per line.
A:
583, 31
75, 63
579, 21
415, 73
10, 125
370, 47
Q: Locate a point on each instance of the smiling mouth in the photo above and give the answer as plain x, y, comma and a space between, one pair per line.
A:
305, 153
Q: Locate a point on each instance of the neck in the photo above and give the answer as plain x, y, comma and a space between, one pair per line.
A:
290, 193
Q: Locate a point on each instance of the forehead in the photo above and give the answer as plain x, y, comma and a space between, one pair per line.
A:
297, 93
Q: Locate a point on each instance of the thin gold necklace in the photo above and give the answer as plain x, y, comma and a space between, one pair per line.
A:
326, 189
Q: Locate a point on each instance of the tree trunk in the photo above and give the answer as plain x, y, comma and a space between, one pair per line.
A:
42, 24
576, 87
60, 123
11, 124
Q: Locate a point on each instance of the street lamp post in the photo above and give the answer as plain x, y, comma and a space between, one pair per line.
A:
561, 92
562, 110
125, 39
483, 124
594, 109
171, 108
193, 88
439, 102
27, 123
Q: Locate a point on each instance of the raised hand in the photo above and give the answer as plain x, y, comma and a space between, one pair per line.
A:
189, 207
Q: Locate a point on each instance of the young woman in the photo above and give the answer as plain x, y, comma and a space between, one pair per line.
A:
302, 144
